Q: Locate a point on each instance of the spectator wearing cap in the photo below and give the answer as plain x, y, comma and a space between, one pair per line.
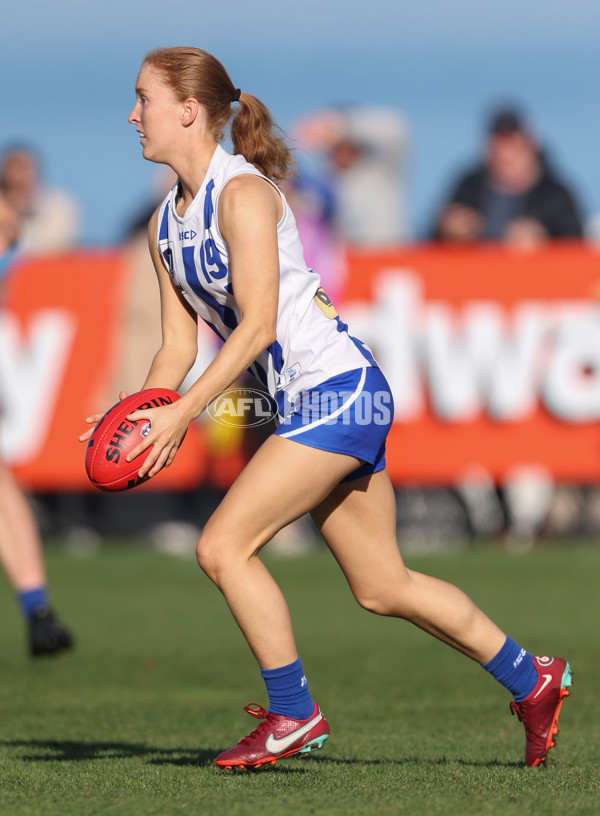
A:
513, 195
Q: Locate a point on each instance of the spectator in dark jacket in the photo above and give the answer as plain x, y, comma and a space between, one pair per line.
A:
512, 196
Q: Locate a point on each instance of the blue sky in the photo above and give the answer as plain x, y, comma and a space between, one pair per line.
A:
69, 70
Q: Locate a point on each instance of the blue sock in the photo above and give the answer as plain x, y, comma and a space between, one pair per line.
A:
32, 599
288, 691
513, 667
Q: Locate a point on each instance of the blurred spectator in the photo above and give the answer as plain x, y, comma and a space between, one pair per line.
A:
313, 204
164, 179
9, 232
50, 218
361, 178
513, 195
592, 229
20, 545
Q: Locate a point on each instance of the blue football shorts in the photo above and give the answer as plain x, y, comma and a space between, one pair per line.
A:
350, 413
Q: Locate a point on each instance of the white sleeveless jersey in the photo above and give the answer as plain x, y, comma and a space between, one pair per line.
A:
312, 342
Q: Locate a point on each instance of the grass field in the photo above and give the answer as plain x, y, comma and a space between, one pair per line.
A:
129, 722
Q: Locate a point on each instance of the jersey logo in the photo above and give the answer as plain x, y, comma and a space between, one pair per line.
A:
287, 376
166, 250
324, 303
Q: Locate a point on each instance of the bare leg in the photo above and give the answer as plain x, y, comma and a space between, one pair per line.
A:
20, 546
357, 520
282, 481
23, 561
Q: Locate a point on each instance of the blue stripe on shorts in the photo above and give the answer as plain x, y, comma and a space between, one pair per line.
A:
350, 414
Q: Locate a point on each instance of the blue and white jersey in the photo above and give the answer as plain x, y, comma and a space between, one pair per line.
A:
312, 343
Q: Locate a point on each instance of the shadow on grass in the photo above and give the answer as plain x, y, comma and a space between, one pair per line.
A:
417, 760
77, 751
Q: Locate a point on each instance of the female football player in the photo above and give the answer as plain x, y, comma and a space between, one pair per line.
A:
225, 247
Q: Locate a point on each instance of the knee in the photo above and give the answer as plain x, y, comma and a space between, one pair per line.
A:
388, 604
207, 555
220, 552
372, 602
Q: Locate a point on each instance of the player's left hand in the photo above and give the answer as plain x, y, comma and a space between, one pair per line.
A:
168, 427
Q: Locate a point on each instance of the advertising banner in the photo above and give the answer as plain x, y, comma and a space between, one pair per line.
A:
493, 357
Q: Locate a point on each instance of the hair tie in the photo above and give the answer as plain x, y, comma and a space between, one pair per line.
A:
236, 96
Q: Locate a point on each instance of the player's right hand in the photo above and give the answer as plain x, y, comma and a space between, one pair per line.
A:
94, 419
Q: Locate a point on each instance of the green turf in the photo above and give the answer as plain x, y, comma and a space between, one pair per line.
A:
130, 722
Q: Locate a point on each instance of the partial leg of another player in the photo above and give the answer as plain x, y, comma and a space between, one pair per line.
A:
357, 520
22, 559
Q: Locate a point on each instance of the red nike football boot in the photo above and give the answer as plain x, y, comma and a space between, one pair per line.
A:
275, 738
540, 710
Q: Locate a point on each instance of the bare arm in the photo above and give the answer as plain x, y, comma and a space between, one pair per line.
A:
179, 345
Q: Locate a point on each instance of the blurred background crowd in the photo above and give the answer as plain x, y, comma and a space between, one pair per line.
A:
357, 188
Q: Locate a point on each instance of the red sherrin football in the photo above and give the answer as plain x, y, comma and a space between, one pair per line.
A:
114, 436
